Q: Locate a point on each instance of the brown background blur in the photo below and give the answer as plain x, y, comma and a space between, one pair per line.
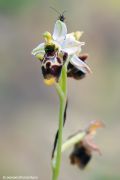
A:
29, 109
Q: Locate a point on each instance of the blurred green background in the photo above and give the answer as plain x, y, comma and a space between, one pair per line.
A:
29, 109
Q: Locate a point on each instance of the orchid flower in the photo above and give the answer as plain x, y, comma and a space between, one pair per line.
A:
84, 148
56, 49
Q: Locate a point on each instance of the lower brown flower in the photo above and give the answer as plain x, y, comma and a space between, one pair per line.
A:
83, 150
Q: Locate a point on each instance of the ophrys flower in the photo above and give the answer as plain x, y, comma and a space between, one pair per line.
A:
83, 150
54, 52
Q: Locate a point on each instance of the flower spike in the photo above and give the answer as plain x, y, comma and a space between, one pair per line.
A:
60, 58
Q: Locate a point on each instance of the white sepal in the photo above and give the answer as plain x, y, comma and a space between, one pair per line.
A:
72, 46
79, 64
60, 31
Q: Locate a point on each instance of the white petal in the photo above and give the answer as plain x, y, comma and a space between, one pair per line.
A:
79, 64
60, 31
39, 49
72, 46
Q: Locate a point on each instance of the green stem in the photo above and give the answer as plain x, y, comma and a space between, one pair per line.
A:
62, 92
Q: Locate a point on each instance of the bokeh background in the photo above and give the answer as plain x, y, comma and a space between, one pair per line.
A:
29, 109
